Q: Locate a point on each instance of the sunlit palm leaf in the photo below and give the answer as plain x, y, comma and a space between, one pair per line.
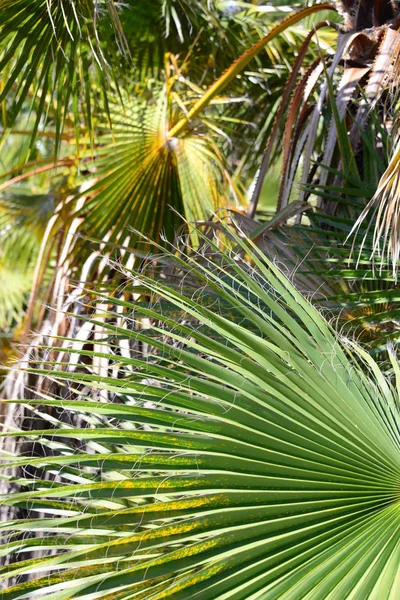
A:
229, 75
17, 263
383, 216
265, 466
142, 181
48, 51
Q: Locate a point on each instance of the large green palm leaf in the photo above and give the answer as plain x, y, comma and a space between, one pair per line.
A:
253, 463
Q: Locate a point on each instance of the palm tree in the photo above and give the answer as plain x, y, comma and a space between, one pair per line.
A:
172, 145
109, 100
173, 437
94, 90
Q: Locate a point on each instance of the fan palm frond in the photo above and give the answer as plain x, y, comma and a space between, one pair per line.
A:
263, 465
141, 180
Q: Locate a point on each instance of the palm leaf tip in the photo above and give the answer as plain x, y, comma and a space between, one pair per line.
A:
248, 457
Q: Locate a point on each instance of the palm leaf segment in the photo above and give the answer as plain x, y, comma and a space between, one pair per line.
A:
257, 463
22, 221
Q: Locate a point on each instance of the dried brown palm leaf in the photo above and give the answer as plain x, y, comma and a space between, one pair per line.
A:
295, 133
301, 127
384, 74
291, 82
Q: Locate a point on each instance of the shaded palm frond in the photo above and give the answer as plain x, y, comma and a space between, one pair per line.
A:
362, 302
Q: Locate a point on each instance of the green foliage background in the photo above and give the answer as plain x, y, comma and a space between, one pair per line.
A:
199, 302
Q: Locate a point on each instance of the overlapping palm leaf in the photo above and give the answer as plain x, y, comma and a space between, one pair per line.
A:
333, 94
151, 162
347, 274
349, 284
156, 161
263, 466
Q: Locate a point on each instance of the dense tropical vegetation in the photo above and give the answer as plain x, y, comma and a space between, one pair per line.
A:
199, 301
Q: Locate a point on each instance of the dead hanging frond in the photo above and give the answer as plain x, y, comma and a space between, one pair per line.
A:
384, 211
